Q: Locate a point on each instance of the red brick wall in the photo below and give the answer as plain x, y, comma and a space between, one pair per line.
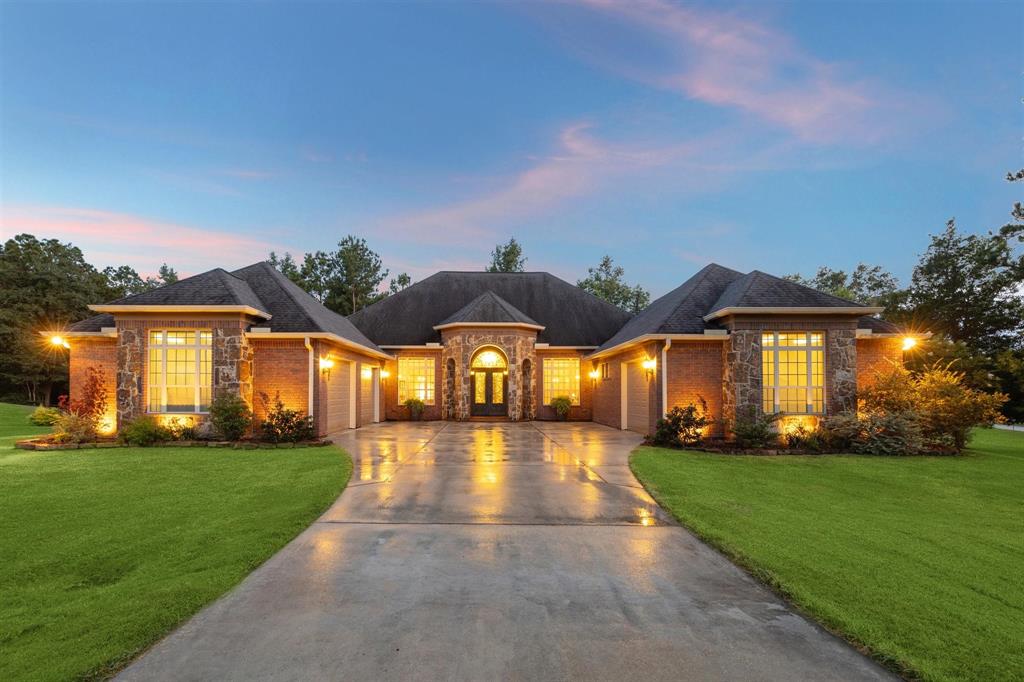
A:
876, 355
280, 365
389, 387
102, 354
607, 395
581, 412
695, 370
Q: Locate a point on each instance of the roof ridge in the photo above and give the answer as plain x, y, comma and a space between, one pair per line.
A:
697, 278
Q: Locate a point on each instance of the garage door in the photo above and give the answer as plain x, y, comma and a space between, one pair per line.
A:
368, 377
339, 390
637, 413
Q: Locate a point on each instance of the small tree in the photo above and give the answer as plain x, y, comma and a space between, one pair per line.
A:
284, 425
507, 257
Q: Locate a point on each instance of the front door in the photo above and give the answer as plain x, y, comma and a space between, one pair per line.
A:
490, 393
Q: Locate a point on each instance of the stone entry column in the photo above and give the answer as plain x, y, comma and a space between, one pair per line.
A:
459, 347
130, 349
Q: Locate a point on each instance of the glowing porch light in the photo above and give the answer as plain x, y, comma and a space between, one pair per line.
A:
594, 374
367, 373
384, 374
59, 341
326, 363
650, 364
909, 342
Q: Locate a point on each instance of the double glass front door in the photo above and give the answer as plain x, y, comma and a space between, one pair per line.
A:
490, 392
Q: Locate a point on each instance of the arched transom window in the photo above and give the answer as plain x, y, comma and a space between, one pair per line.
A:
489, 359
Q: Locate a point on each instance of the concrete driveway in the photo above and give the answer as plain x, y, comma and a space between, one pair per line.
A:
479, 551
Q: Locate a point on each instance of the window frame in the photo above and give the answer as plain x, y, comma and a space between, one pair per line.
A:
606, 371
545, 383
430, 384
197, 346
809, 347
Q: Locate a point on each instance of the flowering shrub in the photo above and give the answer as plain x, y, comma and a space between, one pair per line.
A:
44, 416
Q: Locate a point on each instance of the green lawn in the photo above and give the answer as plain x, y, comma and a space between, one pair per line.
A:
105, 551
920, 559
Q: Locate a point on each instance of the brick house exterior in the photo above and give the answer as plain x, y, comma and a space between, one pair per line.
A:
495, 344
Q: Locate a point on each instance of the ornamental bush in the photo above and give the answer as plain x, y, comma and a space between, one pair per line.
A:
944, 408
230, 416
284, 425
44, 416
756, 430
683, 426
73, 428
80, 418
143, 431
887, 434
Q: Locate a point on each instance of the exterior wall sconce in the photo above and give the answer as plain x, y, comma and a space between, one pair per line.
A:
59, 342
384, 374
649, 365
367, 373
325, 367
593, 374
909, 342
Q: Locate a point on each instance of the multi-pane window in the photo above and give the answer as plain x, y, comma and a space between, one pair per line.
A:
180, 370
562, 378
793, 372
606, 372
416, 379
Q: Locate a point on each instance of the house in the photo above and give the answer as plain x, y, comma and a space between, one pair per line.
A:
483, 345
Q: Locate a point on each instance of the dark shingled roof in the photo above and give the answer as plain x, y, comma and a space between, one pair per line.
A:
293, 309
489, 308
215, 287
260, 286
758, 289
680, 311
570, 315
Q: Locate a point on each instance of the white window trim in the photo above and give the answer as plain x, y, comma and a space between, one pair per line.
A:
162, 387
775, 348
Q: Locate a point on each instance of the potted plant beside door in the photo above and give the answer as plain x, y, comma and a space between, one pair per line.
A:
561, 405
415, 407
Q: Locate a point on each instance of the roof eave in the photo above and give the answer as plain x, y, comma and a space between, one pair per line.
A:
243, 309
329, 336
793, 310
709, 335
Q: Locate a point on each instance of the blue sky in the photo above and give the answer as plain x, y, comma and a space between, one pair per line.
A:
668, 135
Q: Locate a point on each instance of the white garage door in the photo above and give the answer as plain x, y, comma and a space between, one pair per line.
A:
339, 390
636, 399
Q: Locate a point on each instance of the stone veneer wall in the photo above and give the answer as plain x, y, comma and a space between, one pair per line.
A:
462, 342
232, 359
742, 366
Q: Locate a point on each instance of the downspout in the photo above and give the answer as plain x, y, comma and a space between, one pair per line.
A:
312, 374
664, 376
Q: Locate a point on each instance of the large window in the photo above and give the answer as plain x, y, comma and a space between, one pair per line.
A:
416, 379
793, 372
180, 371
562, 377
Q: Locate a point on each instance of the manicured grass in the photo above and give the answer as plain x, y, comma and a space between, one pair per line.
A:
105, 551
920, 559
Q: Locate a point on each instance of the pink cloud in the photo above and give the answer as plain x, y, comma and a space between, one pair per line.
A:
581, 165
726, 60
109, 238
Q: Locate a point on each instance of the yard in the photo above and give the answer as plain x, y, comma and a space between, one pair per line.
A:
105, 551
918, 559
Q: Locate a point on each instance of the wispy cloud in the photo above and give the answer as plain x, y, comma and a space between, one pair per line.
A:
726, 60
581, 165
109, 238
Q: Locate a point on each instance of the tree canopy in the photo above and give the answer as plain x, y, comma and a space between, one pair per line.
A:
507, 257
606, 281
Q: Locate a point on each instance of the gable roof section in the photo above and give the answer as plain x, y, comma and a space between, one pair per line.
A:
489, 308
758, 289
293, 309
680, 311
259, 286
570, 316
